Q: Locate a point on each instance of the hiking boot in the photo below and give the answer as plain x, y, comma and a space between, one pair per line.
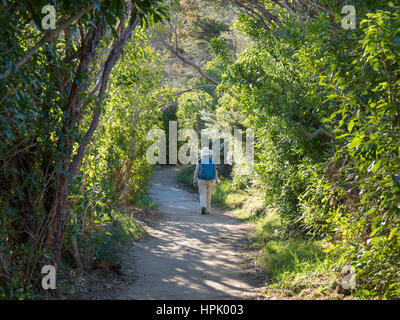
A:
203, 210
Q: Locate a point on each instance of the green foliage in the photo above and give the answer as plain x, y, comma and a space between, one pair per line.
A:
189, 109
271, 95
221, 193
185, 177
146, 202
115, 170
219, 47
112, 243
48, 105
291, 81
341, 185
361, 84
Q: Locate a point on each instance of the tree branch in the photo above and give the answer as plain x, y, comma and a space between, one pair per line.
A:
115, 52
195, 88
315, 133
46, 38
189, 62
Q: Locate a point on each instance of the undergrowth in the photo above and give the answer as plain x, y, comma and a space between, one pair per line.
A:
294, 267
224, 195
120, 233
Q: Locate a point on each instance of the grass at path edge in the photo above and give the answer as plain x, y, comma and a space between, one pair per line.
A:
293, 268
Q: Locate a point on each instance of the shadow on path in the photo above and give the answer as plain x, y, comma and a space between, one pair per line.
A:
187, 255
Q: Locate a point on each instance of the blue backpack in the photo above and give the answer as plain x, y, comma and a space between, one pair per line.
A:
206, 169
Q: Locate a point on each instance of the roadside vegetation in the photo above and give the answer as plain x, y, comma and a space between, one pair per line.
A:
77, 103
294, 267
325, 106
73, 120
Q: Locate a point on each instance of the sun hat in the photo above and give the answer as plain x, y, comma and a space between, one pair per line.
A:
205, 152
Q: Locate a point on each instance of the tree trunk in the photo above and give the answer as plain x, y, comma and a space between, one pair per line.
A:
58, 219
74, 109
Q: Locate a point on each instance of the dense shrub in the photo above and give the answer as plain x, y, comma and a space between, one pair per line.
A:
341, 184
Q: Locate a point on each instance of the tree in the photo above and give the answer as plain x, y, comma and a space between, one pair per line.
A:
190, 105
52, 88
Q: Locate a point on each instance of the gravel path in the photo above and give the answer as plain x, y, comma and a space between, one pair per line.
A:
187, 255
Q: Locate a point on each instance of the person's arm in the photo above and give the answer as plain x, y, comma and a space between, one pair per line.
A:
196, 174
216, 175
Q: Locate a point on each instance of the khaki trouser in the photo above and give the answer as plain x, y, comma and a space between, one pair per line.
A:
205, 189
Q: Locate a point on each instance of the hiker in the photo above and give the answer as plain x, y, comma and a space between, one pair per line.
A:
205, 176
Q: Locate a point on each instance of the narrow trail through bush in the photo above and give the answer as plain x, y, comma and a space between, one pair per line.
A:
187, 255
299, 98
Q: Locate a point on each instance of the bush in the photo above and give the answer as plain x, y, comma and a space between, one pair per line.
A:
116, 237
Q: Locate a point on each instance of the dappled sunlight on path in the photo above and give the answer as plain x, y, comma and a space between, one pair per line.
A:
187, 255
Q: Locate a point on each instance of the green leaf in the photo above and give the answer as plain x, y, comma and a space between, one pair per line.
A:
332, 96
355, 142
114, 32
350, 125
110, 19
376, 166
342, 136
365, 292
393, 233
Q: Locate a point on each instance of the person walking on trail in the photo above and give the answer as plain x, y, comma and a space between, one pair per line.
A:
205, 176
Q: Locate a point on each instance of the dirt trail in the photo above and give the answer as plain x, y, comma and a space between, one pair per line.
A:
187, 255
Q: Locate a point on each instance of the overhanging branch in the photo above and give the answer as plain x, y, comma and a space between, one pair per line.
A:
115, 52
189, 62
46, 38
315, 133
194, 89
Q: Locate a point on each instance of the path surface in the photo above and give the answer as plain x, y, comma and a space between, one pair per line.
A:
187, 255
